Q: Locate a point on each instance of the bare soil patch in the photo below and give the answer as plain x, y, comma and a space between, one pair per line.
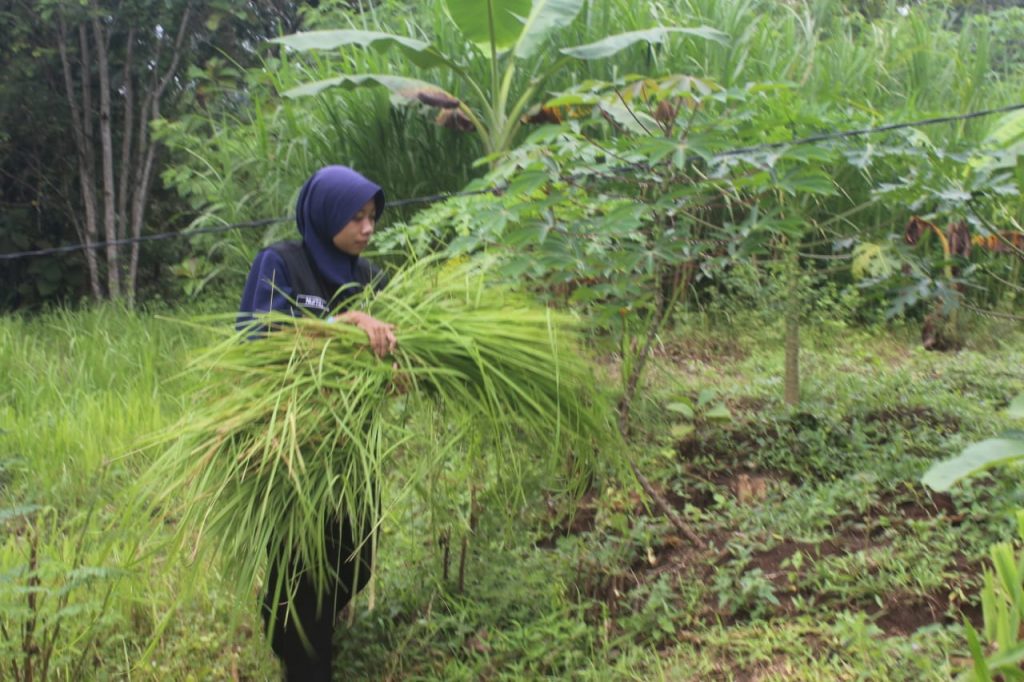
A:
896, 614
708, 351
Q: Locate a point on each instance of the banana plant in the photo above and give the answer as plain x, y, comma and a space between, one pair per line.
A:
507, 33
994, 452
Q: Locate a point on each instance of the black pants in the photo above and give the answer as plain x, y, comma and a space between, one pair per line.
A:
317, 615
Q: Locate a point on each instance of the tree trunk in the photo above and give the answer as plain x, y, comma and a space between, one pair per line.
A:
126, 172
149, 112
125, 177
791, 381
80, 126
107, 162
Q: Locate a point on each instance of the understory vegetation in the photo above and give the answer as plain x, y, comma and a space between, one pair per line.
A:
824, 556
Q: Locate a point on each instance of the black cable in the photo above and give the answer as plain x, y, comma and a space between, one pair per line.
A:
497, 190
144, 238
870, 131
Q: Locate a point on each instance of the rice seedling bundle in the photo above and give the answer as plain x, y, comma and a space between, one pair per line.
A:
297, 429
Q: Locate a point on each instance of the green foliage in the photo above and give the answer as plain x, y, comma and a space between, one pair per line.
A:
744, 590
56, 610
502, 32
1002, 603
978, 457
608, 593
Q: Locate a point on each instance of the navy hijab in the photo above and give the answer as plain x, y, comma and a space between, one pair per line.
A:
326, 204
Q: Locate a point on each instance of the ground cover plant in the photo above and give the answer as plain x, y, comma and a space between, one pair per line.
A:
828, 558
825, 557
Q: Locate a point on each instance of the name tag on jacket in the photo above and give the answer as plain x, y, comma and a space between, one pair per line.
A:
310, 301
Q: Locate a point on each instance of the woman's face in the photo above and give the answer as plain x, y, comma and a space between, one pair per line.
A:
355, 235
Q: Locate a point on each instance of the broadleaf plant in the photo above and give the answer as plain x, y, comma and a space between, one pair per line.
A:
505, 32
978, 457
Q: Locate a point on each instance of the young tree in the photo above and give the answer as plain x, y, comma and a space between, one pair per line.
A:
111, 69
123, 58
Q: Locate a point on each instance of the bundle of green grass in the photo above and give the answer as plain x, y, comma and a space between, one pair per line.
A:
301, 427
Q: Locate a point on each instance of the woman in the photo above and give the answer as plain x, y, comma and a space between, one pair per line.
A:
336, 215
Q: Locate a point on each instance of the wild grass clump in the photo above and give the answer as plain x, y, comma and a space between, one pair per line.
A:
301, 427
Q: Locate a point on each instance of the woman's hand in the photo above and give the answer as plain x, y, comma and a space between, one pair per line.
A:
381, 334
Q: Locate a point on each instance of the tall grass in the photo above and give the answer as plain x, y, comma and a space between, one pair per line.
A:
80, 388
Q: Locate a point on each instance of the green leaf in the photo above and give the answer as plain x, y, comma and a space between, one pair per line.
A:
981, 671
657, 148
719, 413
1016, 408
527, 182
809, 181
546, 16
681, 407
872, 260
808, 152
633, 120
978, 457
614, 44
1008, 131
474, 19
409, 88
1006, 661
620, 221
681, 431
418, 52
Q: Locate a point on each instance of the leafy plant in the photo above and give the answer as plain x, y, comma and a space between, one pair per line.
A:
505, 33
57, 610
979, 457
691, 413
1002, 604
744, 590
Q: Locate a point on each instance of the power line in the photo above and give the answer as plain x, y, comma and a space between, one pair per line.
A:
144, 238
870, 131
822, 137
70, 248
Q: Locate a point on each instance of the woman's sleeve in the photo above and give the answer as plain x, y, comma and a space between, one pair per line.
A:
266, 288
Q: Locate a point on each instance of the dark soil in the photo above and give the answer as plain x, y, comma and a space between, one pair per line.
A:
898, 614
712, 351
